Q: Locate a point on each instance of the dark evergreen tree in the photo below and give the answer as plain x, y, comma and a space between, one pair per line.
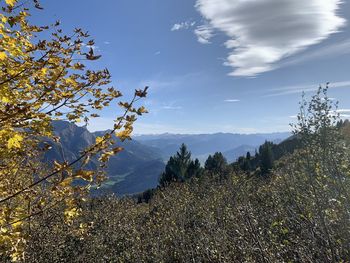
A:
182, 161
180, 167
245, 163
266, 157
170, 174
194, 169
248, 156
216, 163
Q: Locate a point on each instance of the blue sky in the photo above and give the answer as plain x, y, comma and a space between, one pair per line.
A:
215, 65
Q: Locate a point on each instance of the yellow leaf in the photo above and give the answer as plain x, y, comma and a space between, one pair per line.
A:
117, 150
11, 2
15, 141
17, 225
3, 55
99, 139
85, 175
66, 182
44, 71
123, 135
5, 99
3, 19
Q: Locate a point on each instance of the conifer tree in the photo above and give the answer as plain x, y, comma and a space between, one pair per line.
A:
216, 163
180, 167
266, 158
194, 169
246, 163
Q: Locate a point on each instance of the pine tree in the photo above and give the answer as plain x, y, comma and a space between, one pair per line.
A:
246, 163
248, 156
194, 169
216, 163
183, 160
180, 167
266, 157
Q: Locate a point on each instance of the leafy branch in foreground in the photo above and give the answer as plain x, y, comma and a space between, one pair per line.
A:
43, 80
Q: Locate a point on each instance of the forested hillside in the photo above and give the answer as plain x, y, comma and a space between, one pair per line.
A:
297, 211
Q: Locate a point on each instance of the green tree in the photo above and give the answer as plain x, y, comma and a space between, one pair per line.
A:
194, 169
247, 166
180, 167
216, 163
266, 158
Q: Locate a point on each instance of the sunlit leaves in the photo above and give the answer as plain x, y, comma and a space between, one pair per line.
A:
44, 80
3, 56
85, 175
15, 141
11, 2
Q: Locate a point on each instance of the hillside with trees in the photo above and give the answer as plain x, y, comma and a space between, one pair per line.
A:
294, 209
288, 202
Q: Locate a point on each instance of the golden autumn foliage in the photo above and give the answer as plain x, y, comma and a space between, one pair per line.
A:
42, 80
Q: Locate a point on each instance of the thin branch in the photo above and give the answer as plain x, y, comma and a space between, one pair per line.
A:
127, 110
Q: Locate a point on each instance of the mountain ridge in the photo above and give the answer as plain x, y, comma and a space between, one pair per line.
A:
139, 166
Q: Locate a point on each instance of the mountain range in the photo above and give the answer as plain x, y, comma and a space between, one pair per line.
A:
139, 166
201, 145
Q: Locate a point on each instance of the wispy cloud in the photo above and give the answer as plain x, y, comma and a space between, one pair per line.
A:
232, 100
160, 82
304, 88
204, 33
331, 50
183, 25
169, 107
261, 33
173, 105
157, 53
107, 43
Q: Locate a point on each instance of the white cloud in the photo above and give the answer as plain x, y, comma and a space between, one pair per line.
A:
262, 32
331, 50
204, 33
183, 25
170, 107
305, 88
232, 100
157, 53
160, 82
107, 43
